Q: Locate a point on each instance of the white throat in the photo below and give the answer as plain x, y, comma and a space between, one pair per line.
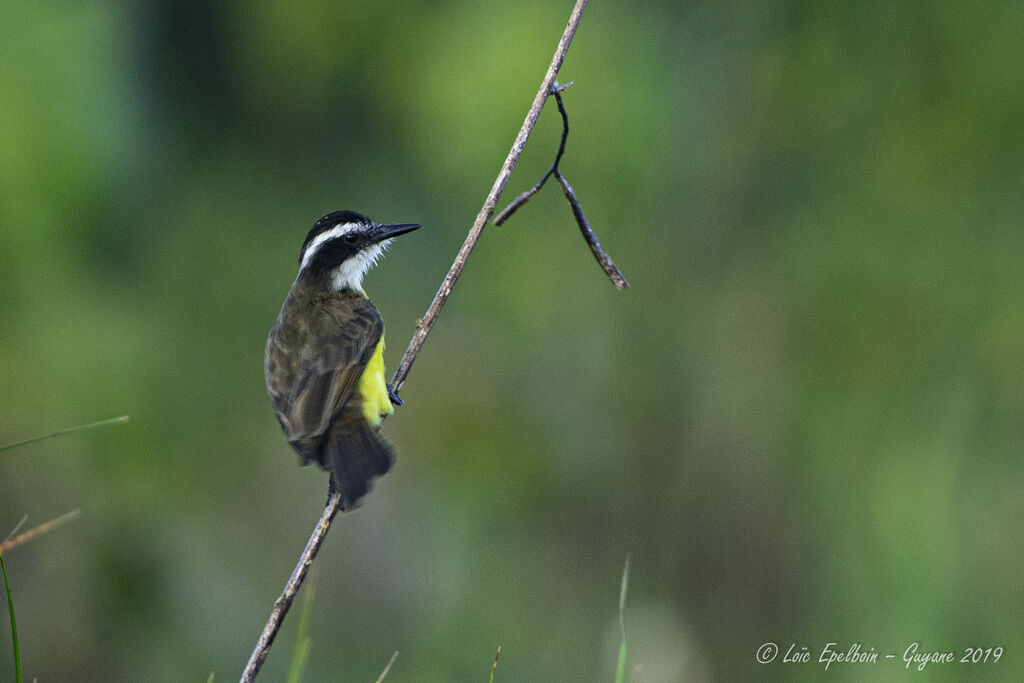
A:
349, 275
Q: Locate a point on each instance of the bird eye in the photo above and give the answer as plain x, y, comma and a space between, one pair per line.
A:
351, 238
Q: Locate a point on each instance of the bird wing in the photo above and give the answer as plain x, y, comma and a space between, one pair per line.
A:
338, 341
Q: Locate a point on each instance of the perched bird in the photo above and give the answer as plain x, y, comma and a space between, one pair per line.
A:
324, 362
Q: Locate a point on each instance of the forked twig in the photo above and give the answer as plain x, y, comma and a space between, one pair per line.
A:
605, 261
423, 328
556, 90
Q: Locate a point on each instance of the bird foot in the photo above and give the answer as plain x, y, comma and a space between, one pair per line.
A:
393, 396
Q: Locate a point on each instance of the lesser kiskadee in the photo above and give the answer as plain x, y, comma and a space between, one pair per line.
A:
324, 361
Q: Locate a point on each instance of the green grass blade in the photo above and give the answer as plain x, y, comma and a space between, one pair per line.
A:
14, 624
495, 665
620, 673
61, 432
303, 641
300, 655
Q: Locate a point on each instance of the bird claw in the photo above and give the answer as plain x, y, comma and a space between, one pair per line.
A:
393, 396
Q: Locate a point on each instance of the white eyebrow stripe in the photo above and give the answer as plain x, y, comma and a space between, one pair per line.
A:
337, 231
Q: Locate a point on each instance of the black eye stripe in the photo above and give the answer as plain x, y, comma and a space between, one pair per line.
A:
329, 222
331, 254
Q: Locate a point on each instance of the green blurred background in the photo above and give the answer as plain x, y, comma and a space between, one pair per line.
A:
804, 421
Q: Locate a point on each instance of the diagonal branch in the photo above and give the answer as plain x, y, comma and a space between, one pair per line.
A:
487, 210
423, 328
281, 605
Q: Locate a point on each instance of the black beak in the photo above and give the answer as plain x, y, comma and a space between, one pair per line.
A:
386, 232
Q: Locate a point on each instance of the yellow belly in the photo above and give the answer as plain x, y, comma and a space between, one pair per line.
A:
373, 388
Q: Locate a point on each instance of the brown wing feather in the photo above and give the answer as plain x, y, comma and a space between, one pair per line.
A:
314, 361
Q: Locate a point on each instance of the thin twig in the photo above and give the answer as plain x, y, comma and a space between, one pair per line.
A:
43, 528
423, 328
61, 432
388, 667
487, 210
520, 199
609, 267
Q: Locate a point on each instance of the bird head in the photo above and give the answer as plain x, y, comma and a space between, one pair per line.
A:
343, 245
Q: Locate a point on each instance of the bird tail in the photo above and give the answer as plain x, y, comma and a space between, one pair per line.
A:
356, 454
